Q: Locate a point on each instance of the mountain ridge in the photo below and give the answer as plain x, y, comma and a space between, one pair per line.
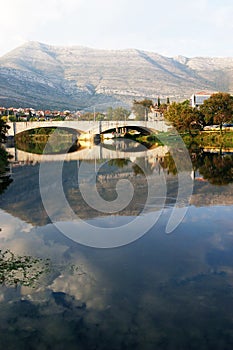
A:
79, 77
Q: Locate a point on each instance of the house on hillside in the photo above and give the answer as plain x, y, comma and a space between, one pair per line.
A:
198, 98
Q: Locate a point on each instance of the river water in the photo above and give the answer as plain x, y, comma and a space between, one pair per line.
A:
90, 259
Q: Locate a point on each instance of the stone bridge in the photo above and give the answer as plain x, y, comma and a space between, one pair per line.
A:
90, 128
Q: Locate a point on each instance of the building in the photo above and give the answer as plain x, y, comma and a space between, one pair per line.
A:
198, 98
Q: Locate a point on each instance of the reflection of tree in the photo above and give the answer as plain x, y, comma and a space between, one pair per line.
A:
196, 155
169, 164
217, 169
35, 141
23, 270
137, 170
142, 167
5, 180
120, 163
3, 160
51, 148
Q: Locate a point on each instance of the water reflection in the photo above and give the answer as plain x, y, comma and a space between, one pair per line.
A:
48, 140
217, 168
160, 292
17, 201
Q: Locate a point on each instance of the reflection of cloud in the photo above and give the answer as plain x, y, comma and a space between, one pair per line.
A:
83, 284
10, 226
76, 278
22, 238
144, 294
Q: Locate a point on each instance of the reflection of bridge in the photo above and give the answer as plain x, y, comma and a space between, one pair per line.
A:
89, 127
93, 153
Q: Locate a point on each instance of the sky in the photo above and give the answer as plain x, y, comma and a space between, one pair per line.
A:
168, 27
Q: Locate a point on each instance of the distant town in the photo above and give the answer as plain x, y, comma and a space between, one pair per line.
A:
13, 114
145, 109
24, 114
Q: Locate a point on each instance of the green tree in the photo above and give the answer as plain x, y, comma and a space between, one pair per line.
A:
4, 180
183, 117
3, 130
120, 113
12, 118
218, 109
88, 116
99, 116
109, 113
141, 108
163, 107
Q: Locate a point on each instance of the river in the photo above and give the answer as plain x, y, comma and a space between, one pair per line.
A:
116, 246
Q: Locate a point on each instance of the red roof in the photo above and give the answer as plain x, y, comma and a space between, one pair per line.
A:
204, 93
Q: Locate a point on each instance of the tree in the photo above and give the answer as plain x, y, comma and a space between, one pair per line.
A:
120, 113
159, 103
140, 108
88, 116
99, 116
183, 117
109, 113
218, 109
12, 118
163, 107
5, 180
3, 130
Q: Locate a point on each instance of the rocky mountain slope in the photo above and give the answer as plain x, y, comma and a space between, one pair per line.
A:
76, 77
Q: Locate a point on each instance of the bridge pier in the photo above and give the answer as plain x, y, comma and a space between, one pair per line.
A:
89, 137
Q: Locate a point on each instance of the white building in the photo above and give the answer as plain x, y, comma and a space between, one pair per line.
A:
198, 98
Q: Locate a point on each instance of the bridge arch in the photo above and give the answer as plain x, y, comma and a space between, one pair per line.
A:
145, 127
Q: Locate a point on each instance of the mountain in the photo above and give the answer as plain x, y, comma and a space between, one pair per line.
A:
75, 77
